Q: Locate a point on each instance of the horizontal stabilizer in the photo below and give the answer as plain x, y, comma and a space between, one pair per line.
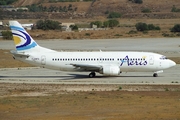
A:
19, 54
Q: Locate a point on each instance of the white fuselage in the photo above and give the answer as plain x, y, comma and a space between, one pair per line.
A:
126, 61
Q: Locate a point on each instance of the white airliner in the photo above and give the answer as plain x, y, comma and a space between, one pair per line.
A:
106, 63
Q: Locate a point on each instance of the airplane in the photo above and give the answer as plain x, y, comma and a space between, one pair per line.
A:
106, 63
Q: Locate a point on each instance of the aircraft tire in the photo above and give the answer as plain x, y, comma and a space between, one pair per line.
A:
155, 75
92, 74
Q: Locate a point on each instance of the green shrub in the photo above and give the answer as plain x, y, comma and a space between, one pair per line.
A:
176, 28
114, 15
7, 35
113, 23
118, 35
132, 32
165, 35
146, 10
168, 35
137, 1
145, 32
178, 34
48, 25
141, 26
144, 27
106, 24
87, 34
74, 27
107, 12
98, 23
7, 2
20, 10
157, 28
166, 89
151, 27
174, 9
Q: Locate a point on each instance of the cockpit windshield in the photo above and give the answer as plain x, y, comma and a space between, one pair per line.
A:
163, 58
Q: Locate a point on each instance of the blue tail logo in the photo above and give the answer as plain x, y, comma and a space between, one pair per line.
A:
22, 39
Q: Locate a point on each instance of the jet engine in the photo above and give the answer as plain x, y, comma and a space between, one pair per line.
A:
110, 70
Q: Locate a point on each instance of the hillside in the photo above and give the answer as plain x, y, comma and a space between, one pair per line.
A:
101, 6
160, 10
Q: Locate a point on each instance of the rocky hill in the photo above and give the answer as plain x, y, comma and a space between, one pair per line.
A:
160, 9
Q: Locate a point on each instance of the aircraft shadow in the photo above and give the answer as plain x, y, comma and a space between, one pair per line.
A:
73, 77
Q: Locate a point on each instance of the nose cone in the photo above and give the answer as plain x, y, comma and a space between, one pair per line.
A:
171, 63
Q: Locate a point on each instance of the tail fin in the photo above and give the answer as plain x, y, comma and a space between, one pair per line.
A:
22, 39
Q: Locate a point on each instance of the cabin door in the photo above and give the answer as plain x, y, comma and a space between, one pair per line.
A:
151, 60
43, 60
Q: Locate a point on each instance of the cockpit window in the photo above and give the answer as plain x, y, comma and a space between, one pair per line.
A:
163, 57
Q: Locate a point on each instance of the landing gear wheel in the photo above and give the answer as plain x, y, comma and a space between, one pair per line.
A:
155, 75
92, 74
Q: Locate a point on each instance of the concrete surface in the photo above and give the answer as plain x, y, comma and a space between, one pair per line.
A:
166, 46
46, 76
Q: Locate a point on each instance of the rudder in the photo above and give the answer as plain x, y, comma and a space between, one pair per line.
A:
22, 39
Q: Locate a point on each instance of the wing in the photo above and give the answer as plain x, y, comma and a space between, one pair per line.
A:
87, 67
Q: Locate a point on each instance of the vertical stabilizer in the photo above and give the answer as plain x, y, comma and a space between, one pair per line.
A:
22, 39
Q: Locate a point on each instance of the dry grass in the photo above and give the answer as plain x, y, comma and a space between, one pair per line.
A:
76, 105
7, 61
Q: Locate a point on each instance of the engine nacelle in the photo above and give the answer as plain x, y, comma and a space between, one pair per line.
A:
110, 70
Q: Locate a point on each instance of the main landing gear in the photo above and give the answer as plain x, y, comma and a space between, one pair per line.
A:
92, 74
155, 75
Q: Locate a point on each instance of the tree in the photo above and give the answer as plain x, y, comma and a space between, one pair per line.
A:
113, 23
48, 25
114, 15
7, 35
176, 28
141, 26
